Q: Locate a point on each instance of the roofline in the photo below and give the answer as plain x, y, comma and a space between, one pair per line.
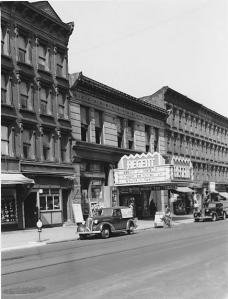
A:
167, 88
79, 77
31, 6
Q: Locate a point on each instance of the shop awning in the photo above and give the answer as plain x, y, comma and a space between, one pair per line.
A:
14, 179
184, 189
224, 194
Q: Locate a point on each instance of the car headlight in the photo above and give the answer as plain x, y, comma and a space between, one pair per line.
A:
95, 221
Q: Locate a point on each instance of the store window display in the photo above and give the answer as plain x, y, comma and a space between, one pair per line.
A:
8, 207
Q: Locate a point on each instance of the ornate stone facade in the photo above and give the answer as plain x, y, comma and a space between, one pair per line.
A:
196, 132
36, 139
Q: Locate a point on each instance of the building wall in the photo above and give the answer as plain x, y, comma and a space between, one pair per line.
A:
110, 114
199, 134
35, 91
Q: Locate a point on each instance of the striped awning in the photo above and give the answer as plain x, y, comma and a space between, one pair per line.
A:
15, 179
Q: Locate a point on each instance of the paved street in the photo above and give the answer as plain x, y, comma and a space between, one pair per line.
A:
187, 261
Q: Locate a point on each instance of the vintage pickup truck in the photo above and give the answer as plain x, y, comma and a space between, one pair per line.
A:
108, 221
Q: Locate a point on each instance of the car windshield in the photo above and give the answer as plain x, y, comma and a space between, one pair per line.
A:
106, 212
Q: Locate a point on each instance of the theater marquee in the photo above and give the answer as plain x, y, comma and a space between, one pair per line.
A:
151, 168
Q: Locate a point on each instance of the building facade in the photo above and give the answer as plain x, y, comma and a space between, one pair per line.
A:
35, 117
106, 125
198, 133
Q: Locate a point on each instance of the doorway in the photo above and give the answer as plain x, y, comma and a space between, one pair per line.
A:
31, 211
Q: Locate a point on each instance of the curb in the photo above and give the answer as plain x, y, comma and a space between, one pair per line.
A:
42, 243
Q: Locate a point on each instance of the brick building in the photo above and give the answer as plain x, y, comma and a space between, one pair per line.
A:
198, 133
35, 122
107, 124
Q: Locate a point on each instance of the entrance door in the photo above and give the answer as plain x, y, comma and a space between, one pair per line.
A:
31, 212
65, 194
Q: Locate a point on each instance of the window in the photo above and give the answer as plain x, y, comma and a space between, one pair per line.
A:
27, 143
5, 89
24, 50
45, 101
98, 126
60, 65
47, 146
84, 113
147, 138
64, 148
8, 206
5, 41
156, 139
120, 132
49, 199
130, 134
63, 105
43, 58
4, 140
26, 96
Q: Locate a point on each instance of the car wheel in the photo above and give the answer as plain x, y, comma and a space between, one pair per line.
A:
224, 215
131, 229
105, 233
214, 217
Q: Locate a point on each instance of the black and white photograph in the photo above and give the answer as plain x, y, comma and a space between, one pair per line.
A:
114, 149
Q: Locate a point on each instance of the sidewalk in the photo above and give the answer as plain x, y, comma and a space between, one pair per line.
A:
29, 238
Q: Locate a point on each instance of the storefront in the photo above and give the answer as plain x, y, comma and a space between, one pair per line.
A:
15, 188
50, 201
146, 181
92, 182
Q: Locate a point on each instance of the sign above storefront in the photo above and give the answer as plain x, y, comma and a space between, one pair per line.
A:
151, 169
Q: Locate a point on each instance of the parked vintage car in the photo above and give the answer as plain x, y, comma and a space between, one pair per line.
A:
213, 211
108, 221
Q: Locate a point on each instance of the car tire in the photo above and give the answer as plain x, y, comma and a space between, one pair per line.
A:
224, 216
82, 237
131, 229
105, 233
214, 217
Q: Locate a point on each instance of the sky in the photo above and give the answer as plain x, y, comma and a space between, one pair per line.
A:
138, 47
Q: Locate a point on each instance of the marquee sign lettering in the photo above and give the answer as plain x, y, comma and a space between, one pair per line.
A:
151, 168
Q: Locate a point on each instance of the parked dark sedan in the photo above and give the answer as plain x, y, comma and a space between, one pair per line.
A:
108, 221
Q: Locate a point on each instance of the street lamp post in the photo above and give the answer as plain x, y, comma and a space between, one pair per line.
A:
39, 225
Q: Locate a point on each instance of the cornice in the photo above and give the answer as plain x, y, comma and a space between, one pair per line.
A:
84, 83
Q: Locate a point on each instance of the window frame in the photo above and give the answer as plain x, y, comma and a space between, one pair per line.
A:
7, 89
5, 140
28, 96
50, 194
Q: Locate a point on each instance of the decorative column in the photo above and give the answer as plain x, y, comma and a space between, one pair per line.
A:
41, 143
125, 125
59, 159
